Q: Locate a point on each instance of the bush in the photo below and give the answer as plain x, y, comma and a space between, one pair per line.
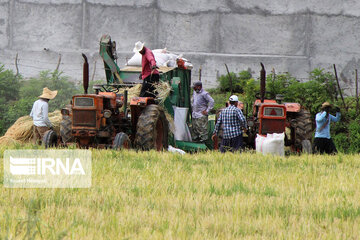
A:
341, 142
238, 81
310, 94
327, 81
354, 136
278, 84
9, 93
33, 87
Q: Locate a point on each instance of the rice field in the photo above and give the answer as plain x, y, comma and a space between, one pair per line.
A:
150, 195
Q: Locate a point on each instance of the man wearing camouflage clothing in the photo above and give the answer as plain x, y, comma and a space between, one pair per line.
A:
202, 104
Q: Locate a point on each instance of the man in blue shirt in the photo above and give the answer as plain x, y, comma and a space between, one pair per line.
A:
323, 142
202, 103
233, 121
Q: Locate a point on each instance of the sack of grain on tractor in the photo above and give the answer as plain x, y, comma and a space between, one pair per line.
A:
163, 58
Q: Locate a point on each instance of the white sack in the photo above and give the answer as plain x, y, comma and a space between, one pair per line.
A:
160, 58
175, 150
272, 143
163, 58
182, 132
135, 60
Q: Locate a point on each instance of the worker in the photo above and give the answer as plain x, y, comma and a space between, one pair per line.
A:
149, 72
323, 142
202, 103
39, 114
233, 122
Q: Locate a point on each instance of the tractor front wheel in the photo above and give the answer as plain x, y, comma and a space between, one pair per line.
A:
50, 139
121, 141
152, 129
65, 127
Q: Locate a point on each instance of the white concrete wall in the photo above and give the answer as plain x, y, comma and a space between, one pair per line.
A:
290, 36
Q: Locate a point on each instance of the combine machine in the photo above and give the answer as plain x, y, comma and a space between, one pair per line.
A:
105, 120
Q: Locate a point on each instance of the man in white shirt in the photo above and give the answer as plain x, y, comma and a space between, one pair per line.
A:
39, 114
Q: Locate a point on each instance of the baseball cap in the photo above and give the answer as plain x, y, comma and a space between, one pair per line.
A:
233, 98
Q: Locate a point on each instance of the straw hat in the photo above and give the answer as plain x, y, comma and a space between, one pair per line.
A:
48, 94
138, 46
325, 105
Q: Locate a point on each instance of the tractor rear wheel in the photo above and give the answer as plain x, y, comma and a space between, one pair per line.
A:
303, 131
121, 141
152, 129
50, 139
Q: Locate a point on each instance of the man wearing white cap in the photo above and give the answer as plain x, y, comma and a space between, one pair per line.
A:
149, 73
39, 114
233, 121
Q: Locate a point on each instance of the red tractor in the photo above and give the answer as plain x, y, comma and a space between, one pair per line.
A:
273, 116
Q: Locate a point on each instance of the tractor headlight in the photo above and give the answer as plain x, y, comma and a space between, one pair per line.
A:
107, 113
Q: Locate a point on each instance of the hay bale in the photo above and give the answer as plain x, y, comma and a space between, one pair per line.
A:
8, 141
22, 130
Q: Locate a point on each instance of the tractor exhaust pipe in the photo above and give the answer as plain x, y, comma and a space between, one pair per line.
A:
262, 82
125, 102
85, 74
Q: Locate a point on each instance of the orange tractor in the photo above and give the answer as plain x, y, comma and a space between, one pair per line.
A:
274, 116
105, 120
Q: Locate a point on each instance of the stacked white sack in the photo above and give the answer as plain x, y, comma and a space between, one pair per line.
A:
272, 143
163, 58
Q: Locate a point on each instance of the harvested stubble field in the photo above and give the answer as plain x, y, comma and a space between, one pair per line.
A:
150, 195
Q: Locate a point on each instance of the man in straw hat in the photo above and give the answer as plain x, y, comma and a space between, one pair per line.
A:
202, 103
149, 73
323, 142
39, 114
233, 122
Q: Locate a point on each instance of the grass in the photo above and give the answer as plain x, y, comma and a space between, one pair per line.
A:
150, 195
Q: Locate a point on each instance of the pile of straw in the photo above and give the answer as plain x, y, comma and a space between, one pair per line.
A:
163, 90
22, 130
132, 91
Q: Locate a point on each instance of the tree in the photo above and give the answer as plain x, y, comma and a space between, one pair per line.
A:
18, 95
9, 93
